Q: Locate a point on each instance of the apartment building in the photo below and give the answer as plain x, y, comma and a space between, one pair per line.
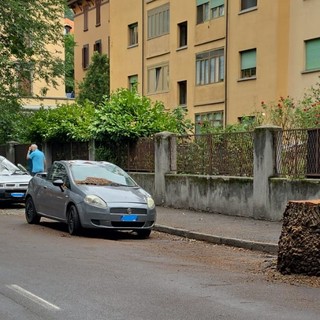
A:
33, 97
217, 58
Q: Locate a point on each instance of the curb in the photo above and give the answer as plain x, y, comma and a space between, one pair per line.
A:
245, 244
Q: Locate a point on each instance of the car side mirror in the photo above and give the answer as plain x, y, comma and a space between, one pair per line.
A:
59, 183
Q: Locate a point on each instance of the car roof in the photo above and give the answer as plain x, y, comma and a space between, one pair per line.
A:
83, 162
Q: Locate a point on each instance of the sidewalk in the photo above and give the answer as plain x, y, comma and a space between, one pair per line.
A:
221, 229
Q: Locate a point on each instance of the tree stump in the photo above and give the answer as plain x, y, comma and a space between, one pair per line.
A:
299, 243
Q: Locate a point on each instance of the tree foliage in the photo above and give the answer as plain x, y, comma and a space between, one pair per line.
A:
128, 115
125, 116
27, 29
69, 62
64, 123
95, 85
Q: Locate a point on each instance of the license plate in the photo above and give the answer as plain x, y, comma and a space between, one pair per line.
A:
17, 195
130, 217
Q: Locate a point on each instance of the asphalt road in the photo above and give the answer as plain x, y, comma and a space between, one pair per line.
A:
47, 274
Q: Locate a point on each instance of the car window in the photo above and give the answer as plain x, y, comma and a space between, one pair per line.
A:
58, 171
101, 174
7, 167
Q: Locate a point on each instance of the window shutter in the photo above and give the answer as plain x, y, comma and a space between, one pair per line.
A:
313, 54
216, 3
248, 59
200, 2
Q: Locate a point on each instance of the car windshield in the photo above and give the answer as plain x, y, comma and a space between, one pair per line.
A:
101, 174
7, 167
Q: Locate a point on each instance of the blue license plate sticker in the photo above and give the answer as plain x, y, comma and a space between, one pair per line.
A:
129, 217
17, 194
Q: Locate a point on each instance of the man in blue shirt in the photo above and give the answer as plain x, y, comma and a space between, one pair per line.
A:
38, 159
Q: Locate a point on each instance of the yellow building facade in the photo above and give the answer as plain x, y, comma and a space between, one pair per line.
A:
35, 99
218, 58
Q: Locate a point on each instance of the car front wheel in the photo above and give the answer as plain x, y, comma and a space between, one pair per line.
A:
32, 216
74, 225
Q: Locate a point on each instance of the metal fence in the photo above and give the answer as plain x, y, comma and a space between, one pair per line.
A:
131, 156
69, 151
216, 154
140, 155
298, 153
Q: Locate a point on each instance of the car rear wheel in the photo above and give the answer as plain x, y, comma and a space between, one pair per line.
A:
144, 233
32, 216
74, 225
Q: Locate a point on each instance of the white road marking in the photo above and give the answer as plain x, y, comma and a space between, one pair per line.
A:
33, 297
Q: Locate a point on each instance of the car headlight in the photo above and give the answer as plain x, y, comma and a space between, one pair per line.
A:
150, 203
95, 201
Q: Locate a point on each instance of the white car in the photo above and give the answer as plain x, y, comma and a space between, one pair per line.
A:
14, 181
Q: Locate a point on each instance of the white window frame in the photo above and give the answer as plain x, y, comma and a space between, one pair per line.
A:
158, 78
210, 67
133, 34
159, 21
214, 118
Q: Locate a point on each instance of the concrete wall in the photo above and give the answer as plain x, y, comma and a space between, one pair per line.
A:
260, 197
229, 195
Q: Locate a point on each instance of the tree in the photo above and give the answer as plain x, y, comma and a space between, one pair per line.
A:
62, 124
69, 62
95, 85
127, 115
27, 29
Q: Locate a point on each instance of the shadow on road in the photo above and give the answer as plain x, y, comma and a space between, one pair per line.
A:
11, 205
106, 234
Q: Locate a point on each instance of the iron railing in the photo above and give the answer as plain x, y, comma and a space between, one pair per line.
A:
131, 156
216, 154
297, 153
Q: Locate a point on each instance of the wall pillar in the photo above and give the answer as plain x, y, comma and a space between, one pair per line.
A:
10, 151
264, 168
163, 156
47, 150
91, 150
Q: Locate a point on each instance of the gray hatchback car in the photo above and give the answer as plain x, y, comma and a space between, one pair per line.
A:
90, 194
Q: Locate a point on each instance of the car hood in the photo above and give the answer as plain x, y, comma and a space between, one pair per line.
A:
117, 194
24, 178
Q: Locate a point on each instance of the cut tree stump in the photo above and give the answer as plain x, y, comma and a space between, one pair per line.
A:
299, 243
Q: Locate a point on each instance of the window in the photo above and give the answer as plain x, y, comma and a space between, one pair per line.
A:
133, 82
98, 13
183, 34
202, 11
248, 4
24, 80
133, 34
209, 10
312, 54
58, 171
248, 63
158, 21
209, 119
210, 67
217, 8
85, 56
158, 79
97, 47
85, 17
182, 87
